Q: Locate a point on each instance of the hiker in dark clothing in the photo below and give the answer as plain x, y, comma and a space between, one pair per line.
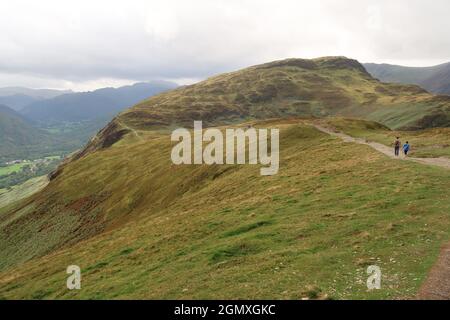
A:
397, 147
406, 147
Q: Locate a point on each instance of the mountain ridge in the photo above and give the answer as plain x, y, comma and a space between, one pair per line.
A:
65, 123
319, 87
435, 79
89, 105
17, 101
34, 93
15, 131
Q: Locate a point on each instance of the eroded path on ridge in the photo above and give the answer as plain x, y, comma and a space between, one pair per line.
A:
388, 151
131, 129
437, 283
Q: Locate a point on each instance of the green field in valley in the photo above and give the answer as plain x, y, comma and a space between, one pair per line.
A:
12, 168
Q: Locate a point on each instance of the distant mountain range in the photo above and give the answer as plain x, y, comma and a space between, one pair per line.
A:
20, 139
18, 135
435, 79
34, 93
37, 123
15, 130
17, 101
102, 103
18, 97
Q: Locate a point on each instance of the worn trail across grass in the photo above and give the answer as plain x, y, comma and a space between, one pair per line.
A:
441, 162
437, 284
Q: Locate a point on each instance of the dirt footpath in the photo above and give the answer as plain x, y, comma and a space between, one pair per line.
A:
440, 162
437, 284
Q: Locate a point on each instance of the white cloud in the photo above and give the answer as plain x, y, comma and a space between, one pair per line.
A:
83, 44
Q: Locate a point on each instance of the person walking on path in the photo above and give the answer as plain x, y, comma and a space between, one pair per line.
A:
406, 148
397, 145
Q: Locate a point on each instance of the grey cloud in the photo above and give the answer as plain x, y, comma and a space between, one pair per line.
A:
74, 42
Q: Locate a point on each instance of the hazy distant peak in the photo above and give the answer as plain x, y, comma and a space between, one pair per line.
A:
34, 93
435, 79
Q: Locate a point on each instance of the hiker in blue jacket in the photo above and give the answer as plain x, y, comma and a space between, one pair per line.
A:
406, 148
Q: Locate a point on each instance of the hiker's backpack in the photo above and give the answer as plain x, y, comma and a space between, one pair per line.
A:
397, 143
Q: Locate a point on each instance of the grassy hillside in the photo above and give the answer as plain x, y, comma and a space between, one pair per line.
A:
16, 132
436, 79
293, 87
141, 227
24, 190
148, 229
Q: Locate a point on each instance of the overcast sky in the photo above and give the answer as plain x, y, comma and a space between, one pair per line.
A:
82, 45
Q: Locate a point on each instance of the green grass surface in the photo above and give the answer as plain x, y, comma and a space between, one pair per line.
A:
12, 168
427, 143
293, 87
16, 193
141, 227
154, 230
18, 167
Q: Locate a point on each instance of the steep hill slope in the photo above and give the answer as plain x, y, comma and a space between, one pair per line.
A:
435, 79
14, 128
148, 229
142, 227
98, 104
16, 132
21, 140
294, 87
